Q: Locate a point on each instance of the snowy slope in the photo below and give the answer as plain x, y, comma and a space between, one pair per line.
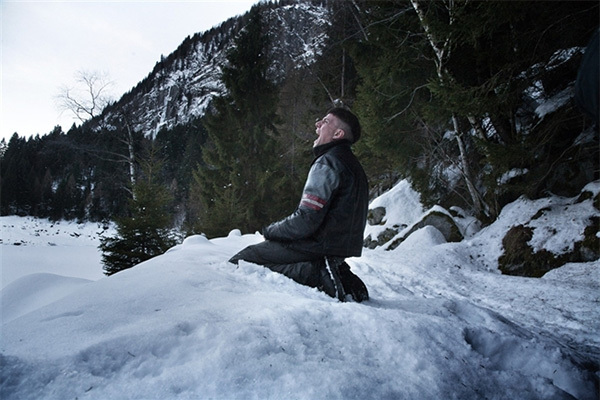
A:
442, 322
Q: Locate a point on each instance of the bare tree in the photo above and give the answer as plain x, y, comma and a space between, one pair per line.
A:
88, 97
87, 100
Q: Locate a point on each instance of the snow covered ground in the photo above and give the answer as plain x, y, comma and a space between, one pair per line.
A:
31, 245
442, 322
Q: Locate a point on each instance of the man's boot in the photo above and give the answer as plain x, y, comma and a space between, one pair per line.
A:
332, 264
353, 285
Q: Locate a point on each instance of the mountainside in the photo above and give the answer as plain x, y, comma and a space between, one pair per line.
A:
181, 85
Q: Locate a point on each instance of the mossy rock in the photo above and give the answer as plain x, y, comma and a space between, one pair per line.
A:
520, 259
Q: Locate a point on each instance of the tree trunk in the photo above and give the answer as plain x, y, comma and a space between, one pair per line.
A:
441, 50
478, 207
129, 142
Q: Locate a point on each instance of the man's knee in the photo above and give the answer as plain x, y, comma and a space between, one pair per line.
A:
236, 258
251, 254
271, 252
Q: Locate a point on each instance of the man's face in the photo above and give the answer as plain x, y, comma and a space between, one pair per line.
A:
328, 130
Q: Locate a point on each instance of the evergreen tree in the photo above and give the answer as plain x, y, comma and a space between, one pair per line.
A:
146, 232
336, 70
13, 172
240, 180
181, 149
297, 104
393, 89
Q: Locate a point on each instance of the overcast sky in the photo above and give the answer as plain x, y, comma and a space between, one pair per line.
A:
46, 43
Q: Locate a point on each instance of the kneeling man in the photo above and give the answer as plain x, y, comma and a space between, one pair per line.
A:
310, 245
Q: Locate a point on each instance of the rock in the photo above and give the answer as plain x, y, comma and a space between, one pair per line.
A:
382, 238
375, 216
520, 259
439, 220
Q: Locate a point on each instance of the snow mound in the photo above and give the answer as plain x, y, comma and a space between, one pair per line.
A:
34, 291
234, 233
584, 274
196, 240
423, 239
403, 207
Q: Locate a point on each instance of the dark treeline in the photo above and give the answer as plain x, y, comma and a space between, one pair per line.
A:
449, 95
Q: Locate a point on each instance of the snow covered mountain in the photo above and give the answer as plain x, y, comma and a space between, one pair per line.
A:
442, 322
180, 86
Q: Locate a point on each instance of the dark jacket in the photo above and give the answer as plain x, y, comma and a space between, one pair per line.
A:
330, 219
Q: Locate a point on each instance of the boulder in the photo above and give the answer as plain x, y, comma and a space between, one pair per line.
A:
440, 220
375, 216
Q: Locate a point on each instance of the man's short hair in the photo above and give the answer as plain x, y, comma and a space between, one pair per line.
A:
349, 119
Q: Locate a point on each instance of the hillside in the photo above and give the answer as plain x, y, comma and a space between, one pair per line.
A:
442, 322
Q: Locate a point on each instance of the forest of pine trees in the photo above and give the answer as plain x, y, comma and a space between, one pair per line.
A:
446, 91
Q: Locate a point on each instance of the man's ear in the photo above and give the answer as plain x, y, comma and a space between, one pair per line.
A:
339, 134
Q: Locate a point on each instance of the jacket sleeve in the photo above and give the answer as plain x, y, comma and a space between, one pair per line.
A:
318, 191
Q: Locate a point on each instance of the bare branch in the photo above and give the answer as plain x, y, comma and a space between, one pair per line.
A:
88, 97
388, 119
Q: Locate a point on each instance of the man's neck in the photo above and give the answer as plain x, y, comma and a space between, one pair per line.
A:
322, 149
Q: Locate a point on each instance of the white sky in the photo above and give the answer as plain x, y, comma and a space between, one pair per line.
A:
45, 44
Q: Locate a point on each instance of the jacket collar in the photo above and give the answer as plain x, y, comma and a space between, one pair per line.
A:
324, 148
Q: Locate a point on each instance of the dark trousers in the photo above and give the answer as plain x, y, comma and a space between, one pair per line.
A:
304, 268
328, 274
271, 252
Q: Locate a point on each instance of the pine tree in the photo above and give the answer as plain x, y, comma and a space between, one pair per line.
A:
240, 180
393, 89
146, 232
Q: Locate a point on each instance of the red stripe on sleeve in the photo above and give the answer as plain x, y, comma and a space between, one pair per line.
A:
312, 202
